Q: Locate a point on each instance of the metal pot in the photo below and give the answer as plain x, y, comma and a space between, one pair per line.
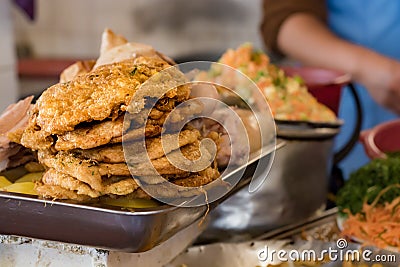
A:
295, 189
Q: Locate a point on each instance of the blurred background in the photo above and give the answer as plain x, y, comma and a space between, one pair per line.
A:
39, 38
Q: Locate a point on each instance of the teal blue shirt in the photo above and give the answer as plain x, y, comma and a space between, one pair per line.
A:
374, 24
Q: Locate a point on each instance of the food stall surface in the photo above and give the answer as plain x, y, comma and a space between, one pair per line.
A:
21, 251
316, 234
312, 242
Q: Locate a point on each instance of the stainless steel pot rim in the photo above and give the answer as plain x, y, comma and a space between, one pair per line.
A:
310, 124
317, 133
307, 130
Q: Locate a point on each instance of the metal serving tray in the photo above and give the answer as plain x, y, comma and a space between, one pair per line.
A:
106, 228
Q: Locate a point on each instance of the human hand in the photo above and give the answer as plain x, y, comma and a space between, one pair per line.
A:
308, 40
381, 76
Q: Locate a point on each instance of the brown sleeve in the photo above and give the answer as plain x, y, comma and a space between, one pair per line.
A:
277, 11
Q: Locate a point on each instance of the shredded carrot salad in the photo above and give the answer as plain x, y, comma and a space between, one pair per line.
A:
377, 225
288, 97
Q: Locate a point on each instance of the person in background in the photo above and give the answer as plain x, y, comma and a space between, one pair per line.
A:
358, 37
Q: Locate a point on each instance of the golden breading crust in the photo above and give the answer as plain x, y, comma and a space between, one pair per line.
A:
137, 134
34, 138
56, 185
201, 178
121, 185
162, 166
138, 193
94, 96
188, 185
53, 177
159, 114
91, 136
88, 137
107, 131
57, 192
187, 179
102, 134
86, 171
65, 110
115, 153
92, 172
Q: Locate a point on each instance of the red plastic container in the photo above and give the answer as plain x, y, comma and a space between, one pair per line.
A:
381, 139
325, 85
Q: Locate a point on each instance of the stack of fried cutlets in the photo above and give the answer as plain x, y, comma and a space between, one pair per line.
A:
77, 128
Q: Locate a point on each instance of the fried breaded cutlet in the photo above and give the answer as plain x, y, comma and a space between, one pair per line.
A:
117, 185
91, 172
87, 171
60, 193
102, 94
158, 115
94, 96
163, 165
61, 186
189, 186
104, 125
55, 178
154, 149
108, 131
103, 133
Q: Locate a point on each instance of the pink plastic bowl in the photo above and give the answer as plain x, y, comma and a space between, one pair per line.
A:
381, 139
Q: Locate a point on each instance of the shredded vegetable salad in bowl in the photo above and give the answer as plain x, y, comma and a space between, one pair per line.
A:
287, 96
369, 204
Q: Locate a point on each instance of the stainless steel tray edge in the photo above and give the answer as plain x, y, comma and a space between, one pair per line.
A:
103, 228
